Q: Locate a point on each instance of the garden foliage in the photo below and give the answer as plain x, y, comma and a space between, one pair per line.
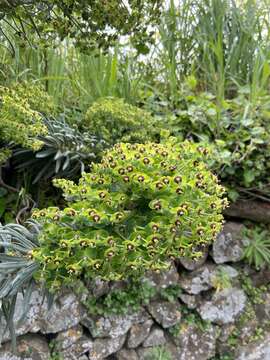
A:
66, 151
116, 121
87, 23
238, 130
79, 102
142, 202
141, 207
21, 119
16, 269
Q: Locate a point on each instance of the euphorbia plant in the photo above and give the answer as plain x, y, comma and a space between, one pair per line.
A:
140, 208
21, 121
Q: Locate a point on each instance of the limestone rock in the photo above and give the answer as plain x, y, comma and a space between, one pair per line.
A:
127, 354
155, 338
192, 265
65, 313
31, 320
224, 307
138, 333
41, 319
166, 351
255, 351
163, 279
165, 313
195, 343
29, 347
77, 349
205, 277
72, 344
102, 348
113, 326
229, 245
189, 300
68, 337
99, 287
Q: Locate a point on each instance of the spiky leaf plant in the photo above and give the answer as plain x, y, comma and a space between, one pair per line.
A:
65, 152
142, 206
257, 251
17, 270
16, 267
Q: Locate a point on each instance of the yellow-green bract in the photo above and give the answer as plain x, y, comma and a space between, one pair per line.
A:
140, 208
20, 116
116, 121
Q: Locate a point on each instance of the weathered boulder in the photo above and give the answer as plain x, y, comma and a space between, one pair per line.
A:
224, 307
205, 278
155, 338
163, 279
255, 351
127, 354
190, 300
31, 320
166, 351
65, 313
29, 347
65, 339
138, 333
98, 287
102, 348
192, 265
78, 349
165, 313
195, 343
41, 319
113, 326
72, 343
229, 245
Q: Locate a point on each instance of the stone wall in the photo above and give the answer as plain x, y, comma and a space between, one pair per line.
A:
216, 308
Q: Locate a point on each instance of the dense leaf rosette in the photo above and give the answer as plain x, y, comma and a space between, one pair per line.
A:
143, 206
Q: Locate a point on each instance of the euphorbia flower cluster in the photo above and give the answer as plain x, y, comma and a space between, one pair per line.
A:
143, 206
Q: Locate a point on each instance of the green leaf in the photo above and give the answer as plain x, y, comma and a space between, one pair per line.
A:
2, 205
247, 121
233, 194
248, 177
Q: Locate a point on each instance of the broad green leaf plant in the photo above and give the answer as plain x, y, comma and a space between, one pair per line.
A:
238, 129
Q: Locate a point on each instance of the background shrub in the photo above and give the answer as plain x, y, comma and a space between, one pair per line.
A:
116, 121
20, 115
238, 129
